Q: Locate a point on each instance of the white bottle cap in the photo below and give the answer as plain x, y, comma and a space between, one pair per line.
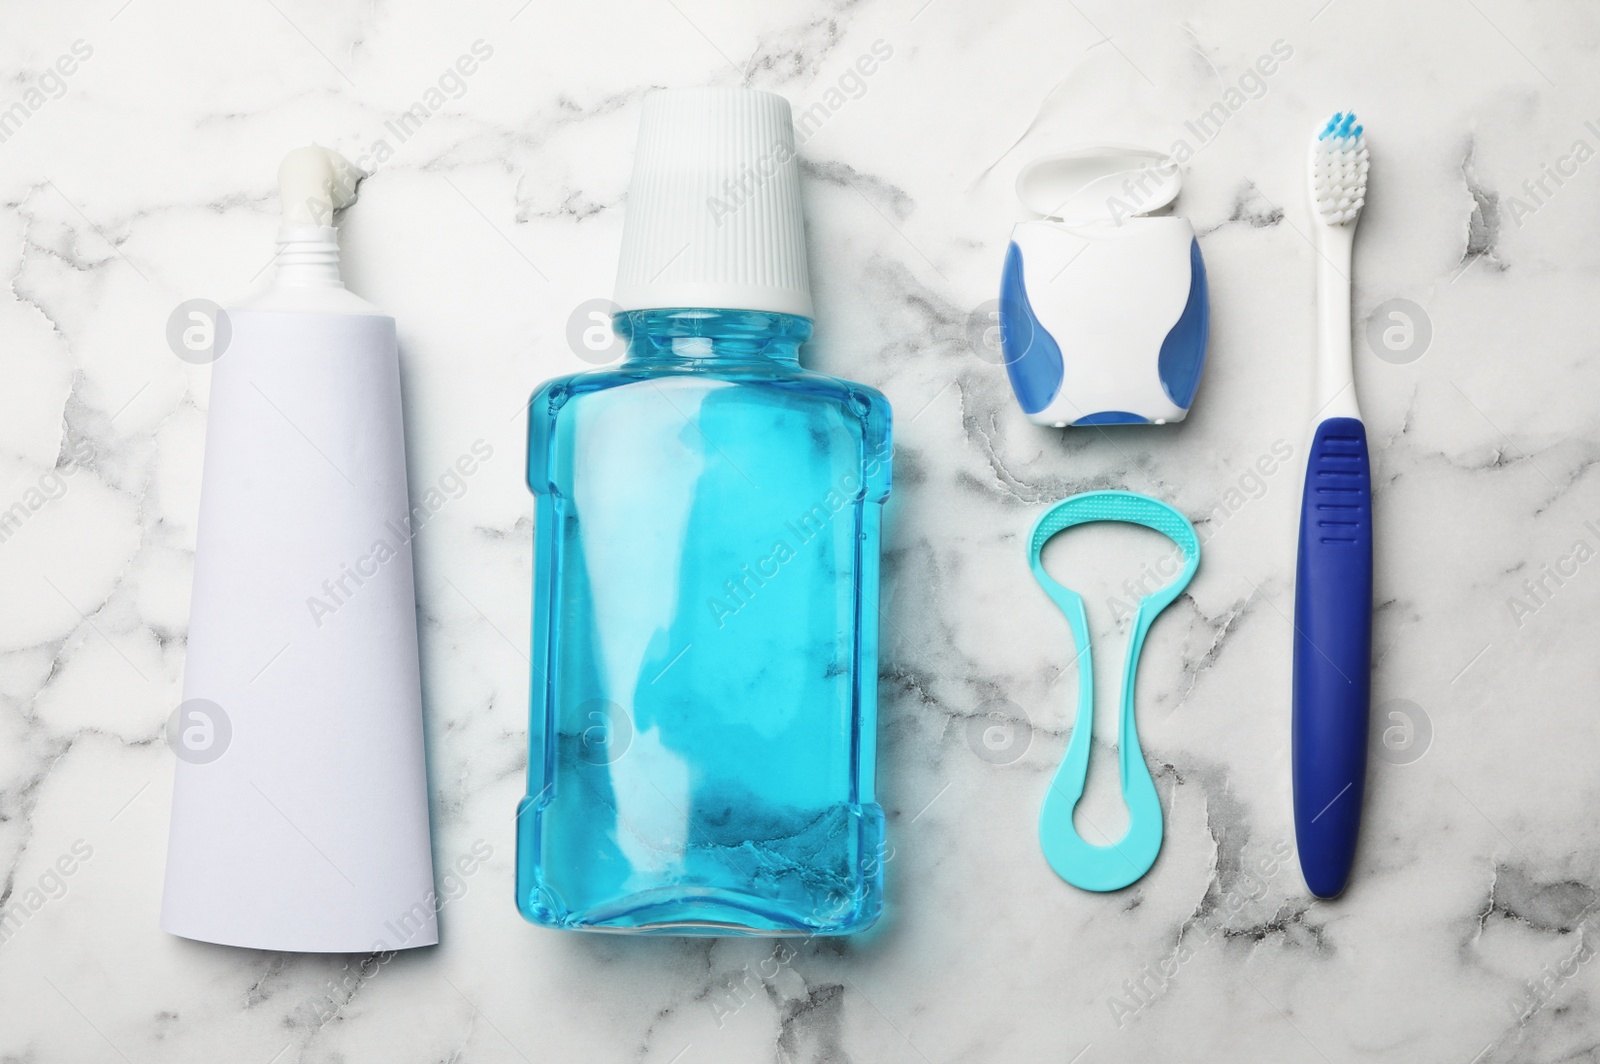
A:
714, 216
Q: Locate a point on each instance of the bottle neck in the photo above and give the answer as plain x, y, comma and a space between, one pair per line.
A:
308, 257
692, 335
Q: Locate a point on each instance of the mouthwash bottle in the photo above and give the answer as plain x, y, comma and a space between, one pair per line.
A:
704, 681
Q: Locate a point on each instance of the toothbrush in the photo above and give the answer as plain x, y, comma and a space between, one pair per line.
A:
1333, 574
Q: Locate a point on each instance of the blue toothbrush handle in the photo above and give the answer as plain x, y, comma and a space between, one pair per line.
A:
1332, 653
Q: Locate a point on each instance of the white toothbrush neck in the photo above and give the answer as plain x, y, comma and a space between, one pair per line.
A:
1335, 393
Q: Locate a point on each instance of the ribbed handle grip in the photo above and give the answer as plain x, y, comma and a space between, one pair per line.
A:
1332, 653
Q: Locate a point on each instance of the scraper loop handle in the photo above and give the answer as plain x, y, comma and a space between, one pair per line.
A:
1081, 863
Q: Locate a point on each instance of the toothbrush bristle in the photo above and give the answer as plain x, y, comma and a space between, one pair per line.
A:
1339, 170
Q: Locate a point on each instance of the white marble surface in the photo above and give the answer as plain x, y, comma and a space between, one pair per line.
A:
146, 178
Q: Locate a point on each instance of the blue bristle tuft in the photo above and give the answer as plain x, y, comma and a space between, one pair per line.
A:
1341, 125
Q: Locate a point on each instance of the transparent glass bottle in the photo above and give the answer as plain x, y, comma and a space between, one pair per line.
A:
705, 637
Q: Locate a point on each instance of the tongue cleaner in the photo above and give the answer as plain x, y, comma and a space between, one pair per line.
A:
1081, 863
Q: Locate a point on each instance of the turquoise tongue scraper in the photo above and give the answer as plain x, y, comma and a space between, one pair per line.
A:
1081, 863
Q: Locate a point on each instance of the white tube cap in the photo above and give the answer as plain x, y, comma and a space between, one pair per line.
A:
714, 217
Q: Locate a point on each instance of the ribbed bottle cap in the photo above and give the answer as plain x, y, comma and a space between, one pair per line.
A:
713, 216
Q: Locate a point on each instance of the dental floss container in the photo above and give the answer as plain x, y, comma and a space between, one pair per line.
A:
1103, 308
300, 803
